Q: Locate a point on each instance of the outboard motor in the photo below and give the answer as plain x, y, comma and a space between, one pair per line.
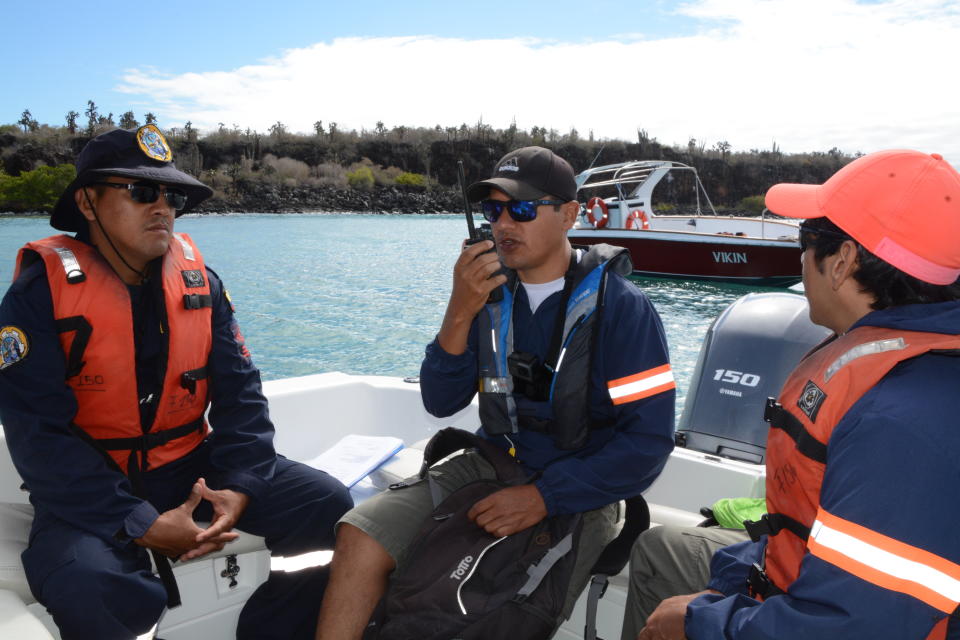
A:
746, 356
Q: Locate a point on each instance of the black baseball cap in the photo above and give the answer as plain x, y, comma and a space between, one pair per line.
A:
529, 173
141, 154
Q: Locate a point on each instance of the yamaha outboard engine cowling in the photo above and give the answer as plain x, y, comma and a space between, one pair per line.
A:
746, 356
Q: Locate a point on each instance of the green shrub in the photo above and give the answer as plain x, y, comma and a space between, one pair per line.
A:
407, 179
36, 190
753, 204
361, 178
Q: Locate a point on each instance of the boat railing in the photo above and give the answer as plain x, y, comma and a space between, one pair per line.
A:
641, 177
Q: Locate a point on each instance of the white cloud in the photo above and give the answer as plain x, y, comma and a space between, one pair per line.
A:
808, 74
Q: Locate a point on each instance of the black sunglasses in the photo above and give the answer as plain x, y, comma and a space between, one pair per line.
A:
520, 210
808, 236
149, 192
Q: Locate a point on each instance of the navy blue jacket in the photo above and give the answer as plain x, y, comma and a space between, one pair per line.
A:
70, 480
892, 468
617, 462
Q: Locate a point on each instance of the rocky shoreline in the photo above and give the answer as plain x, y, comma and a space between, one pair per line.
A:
283, 199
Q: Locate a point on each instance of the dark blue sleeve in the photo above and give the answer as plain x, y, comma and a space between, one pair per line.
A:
631, 341
730, 566
66, 476
889, 460
242, 441
448, 382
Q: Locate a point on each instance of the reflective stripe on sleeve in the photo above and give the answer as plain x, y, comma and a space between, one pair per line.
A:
886, 562
642, 385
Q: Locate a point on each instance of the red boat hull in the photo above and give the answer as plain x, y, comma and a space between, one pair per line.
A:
703, 256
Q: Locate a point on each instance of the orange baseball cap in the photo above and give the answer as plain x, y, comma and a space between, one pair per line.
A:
902, 206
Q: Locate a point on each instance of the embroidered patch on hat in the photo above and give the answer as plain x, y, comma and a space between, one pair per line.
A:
13, 346
192, 278
811, 400
510, 165
153, 144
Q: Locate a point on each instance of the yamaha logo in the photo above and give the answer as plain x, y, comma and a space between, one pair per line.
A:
462, 568
510, 165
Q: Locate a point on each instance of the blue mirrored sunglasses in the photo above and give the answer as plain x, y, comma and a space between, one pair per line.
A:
520, 210
148, 192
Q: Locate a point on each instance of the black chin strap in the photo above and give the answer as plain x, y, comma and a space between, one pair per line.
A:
86, 195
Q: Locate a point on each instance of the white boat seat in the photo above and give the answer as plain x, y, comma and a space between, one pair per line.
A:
15, 521
17, 622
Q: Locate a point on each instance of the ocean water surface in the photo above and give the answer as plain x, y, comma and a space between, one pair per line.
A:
363, 294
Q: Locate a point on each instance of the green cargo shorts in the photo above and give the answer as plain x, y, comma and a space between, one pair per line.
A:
394, 517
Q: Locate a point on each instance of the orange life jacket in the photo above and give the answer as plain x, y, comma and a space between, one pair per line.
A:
814, 399
94, 317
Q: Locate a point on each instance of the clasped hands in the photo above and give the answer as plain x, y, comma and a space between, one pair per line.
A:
176, 535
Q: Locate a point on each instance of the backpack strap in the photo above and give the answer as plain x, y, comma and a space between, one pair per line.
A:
617, 552
537, 572
613, 558
598, 587
450, 440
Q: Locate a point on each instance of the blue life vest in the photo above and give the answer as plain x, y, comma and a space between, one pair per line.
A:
569, 382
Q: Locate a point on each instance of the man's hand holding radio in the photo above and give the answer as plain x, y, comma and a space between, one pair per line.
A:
472, 284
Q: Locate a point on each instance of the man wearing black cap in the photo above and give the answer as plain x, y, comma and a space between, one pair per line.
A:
124, 339
574, 381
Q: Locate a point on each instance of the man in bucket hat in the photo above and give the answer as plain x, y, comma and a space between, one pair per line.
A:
120, 339
860, 538
592, 422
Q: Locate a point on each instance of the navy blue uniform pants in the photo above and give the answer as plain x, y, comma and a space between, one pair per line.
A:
94, 589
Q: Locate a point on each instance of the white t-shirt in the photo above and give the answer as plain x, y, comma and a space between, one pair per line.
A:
537, 293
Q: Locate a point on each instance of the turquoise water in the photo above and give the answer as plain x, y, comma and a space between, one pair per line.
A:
363, 294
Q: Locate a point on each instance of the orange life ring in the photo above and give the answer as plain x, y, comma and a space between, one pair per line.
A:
637, 214
600, 222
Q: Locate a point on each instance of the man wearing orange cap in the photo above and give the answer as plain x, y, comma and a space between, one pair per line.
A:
860, 539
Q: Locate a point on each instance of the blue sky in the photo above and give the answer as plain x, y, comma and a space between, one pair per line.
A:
804, 74
62, 63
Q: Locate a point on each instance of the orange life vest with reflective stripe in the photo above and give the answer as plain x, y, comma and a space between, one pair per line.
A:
814, 399
92, 308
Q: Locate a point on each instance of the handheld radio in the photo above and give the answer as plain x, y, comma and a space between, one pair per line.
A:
477, 235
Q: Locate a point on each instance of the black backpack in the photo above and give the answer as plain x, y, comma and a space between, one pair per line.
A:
462, 582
